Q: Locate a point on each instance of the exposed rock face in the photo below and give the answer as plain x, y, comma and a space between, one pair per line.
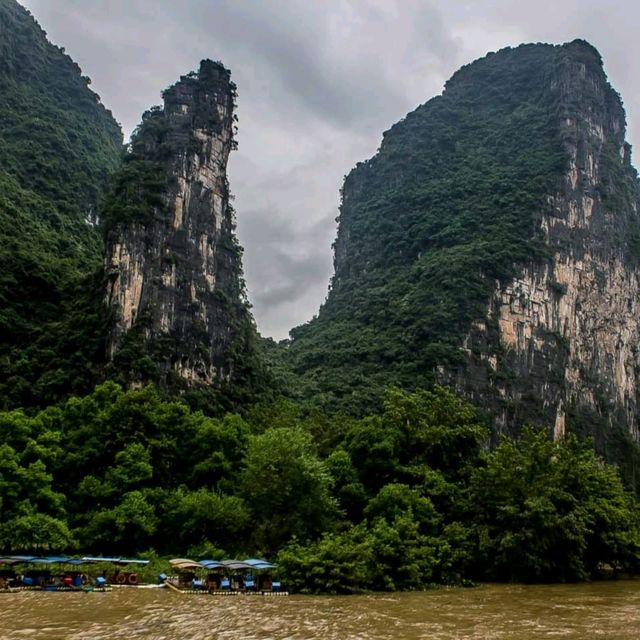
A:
174, 267
568, 329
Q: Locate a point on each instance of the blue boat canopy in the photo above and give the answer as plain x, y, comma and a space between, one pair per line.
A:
66, 560
51, 560
236, 564
37, 560
133, 561
16, 559
10, 560
259, 563
211, 564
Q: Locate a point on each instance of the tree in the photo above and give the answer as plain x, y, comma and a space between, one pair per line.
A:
36, 532
207, 517
551, 511
286, 487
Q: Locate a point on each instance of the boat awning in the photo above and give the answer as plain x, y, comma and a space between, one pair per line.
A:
259, 563
211, 564
185, 563
16, 559
236, 565
43, 560
132, 561
115, 560
52, 560
10, 560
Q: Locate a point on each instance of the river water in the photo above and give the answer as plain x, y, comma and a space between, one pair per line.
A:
598, 610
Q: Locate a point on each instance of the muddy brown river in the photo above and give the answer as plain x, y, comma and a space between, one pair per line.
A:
599, 610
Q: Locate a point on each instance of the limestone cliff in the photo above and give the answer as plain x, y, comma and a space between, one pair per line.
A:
563, 336
492, 244
174, 270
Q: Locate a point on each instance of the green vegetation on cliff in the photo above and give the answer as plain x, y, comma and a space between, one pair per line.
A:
139, 186
398, 492
450, 204
57, 146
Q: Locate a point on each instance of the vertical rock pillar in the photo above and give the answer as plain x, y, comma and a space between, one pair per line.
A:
174, 289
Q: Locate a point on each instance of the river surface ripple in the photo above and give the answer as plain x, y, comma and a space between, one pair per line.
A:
608, 610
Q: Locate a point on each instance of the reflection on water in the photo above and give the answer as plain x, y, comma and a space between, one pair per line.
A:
600, 610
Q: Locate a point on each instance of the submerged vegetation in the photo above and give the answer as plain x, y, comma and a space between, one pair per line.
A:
397, 500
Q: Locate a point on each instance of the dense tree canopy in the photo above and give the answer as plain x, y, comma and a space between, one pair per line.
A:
397, 500
58, 145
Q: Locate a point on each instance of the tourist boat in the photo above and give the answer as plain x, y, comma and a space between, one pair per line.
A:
187, 578
232, 577
223, 577
47, 573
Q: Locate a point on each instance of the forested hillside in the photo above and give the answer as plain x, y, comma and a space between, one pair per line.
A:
449, 204
337, 454
489, 245
58, 145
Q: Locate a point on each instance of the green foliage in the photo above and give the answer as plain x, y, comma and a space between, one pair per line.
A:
286, 488
206, 515
137, 190
36, 532
31, 509
415, 435
400, 500
443, 510
338, 563
450, 204
551, 511
57, 146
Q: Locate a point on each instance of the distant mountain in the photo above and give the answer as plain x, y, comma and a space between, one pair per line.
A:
492, 244
58, 145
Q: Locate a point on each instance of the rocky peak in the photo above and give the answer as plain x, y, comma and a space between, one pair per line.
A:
174, 267
566, 327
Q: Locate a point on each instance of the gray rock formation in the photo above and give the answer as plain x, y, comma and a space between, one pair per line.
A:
566, 331
174, 267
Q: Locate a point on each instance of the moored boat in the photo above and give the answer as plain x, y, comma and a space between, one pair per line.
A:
224, 577
46, 573
120, 572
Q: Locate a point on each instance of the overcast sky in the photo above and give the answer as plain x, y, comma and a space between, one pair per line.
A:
318, 82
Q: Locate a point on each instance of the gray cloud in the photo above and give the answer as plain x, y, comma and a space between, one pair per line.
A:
318, 83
